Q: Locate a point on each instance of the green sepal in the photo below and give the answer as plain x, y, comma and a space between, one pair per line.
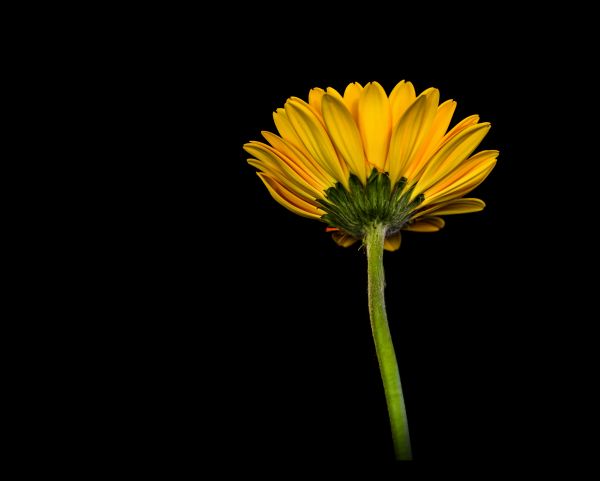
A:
378, 202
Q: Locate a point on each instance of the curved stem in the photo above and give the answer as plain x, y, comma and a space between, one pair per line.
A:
386, 356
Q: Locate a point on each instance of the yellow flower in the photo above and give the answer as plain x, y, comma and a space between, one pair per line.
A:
362, 158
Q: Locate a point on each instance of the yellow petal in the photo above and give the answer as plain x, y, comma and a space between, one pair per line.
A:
343, 239
426, 224
287, 132
375, 123
284, 170
463, 171
320, 179
450, 156
345, 135
462, 189
401, 97
351, 98
315, 139
333, 92
454, 206
464, 179
433, 138
275, 173
289, 200
314, 100
458, 128
410, 132
392, 242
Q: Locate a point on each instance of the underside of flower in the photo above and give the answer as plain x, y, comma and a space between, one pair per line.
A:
354, 210
365, 158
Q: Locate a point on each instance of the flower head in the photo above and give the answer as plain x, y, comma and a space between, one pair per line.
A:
364, 158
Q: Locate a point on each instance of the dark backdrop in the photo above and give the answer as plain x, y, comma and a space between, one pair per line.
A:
257, 348
454, 299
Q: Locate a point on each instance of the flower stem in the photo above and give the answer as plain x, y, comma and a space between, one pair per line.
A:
386, 356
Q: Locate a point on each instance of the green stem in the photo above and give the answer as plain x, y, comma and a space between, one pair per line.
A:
386, 356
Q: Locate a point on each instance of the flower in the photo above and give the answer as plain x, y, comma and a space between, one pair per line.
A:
363, 158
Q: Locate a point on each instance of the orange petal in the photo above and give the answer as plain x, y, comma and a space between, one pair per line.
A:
392, 242
282, 169
463, 179
343, 239
449, 157
315, 139
289, 200
454, 206
434, 137
426, 224
321, 179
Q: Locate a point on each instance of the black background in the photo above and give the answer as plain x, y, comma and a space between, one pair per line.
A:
455, 303
257, 346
